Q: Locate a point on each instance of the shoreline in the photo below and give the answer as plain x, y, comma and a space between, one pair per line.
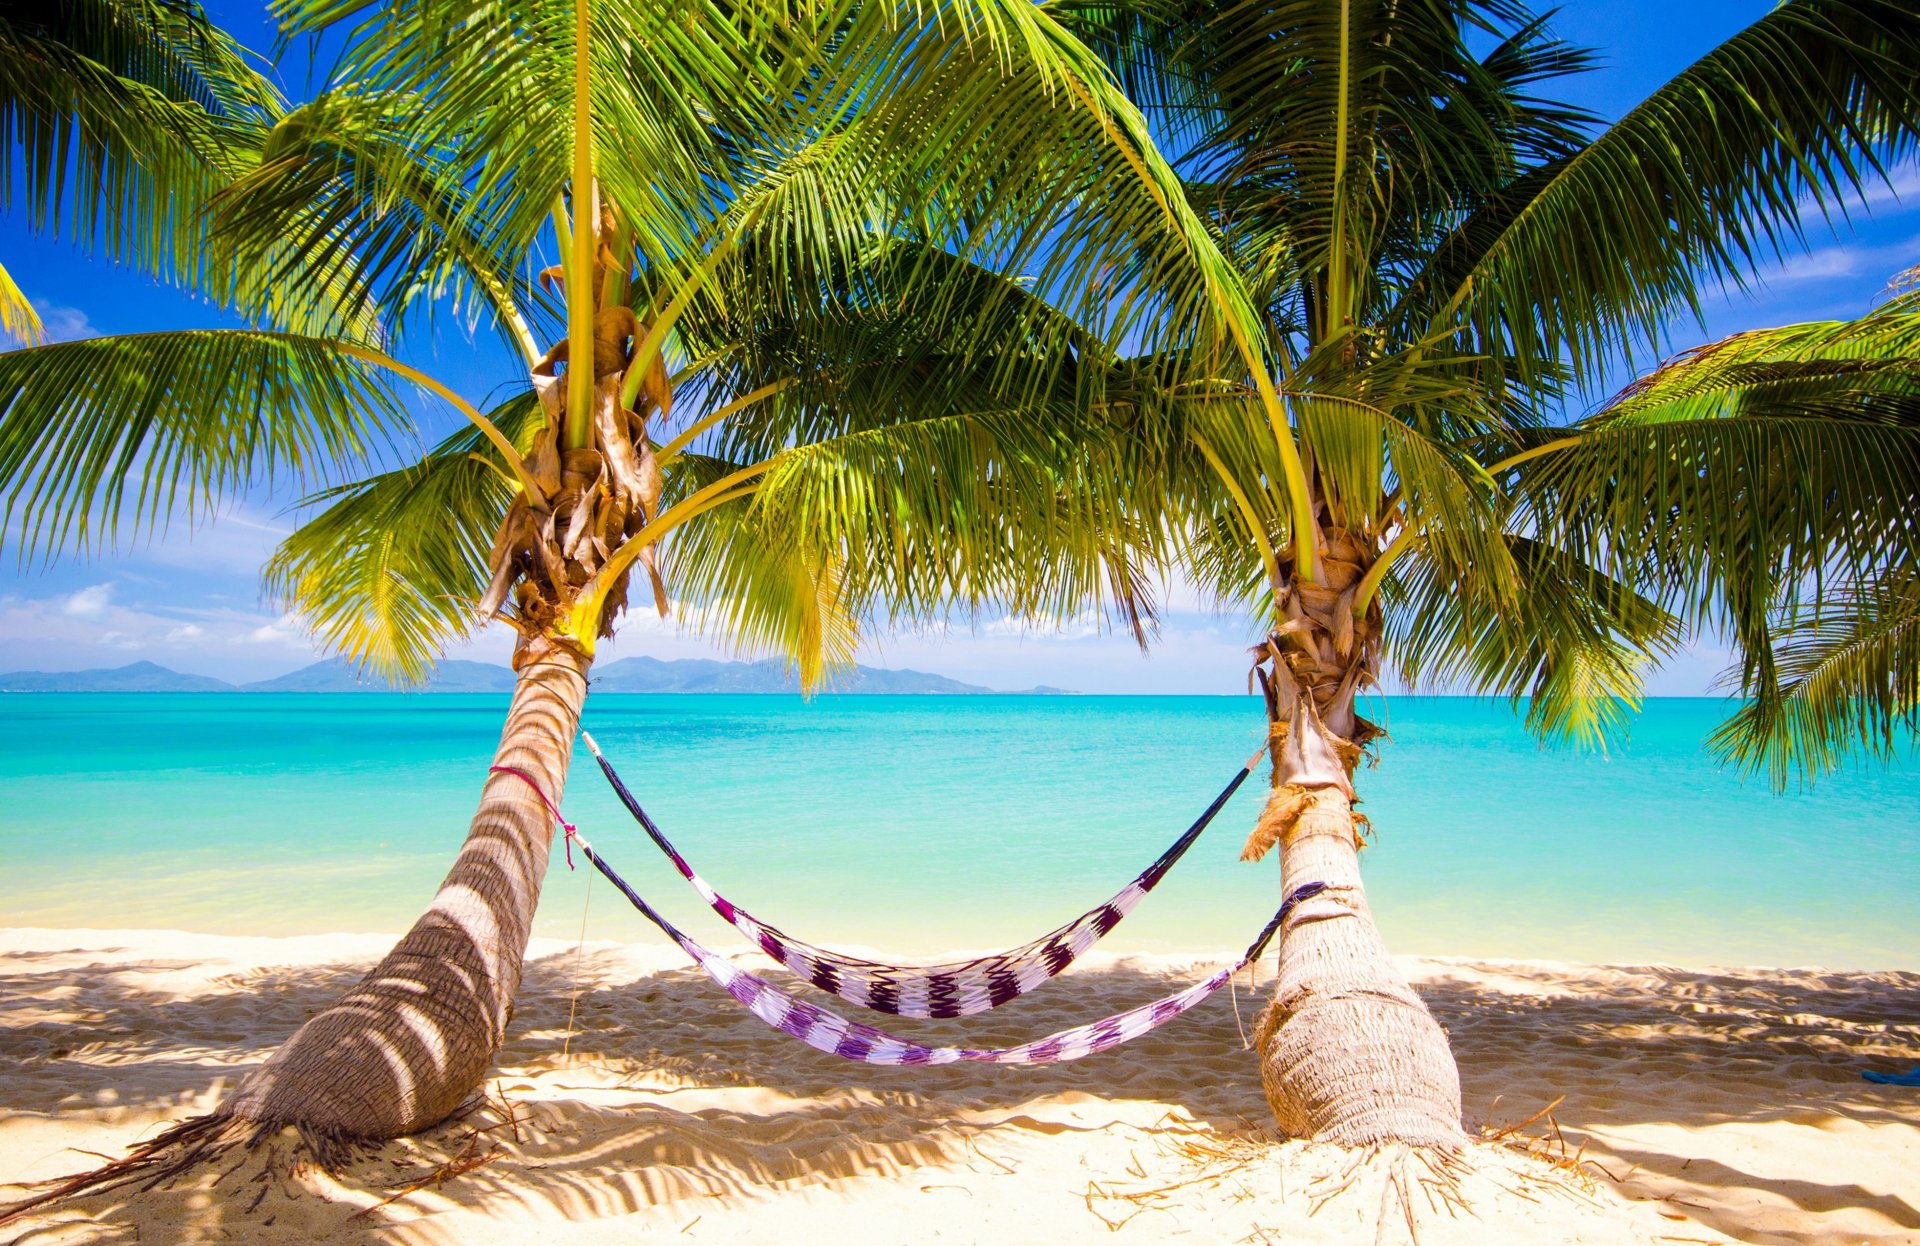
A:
1703, 1104
326, 946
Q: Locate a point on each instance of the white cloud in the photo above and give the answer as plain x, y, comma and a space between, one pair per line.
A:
88, 603
1083, 626
64, 324
1193, 654
1898, 192
1879, 263
102, 632
236, 542
1825, 264
289, 630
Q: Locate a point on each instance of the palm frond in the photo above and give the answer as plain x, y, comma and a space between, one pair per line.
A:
1745, 473
390, 569
757, 590
1705, 180
123, 118
102, 440
1846, 681
1574, 642
342, 199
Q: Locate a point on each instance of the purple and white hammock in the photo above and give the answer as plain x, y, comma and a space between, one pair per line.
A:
958, 989
828, 1031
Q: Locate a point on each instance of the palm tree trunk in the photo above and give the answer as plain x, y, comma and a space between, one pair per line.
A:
1349, 1054
412, 1039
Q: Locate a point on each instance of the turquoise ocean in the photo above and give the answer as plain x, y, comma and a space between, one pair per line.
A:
922, 824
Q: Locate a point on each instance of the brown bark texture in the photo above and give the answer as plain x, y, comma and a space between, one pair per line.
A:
412, 1039
1348, 1052
594, 497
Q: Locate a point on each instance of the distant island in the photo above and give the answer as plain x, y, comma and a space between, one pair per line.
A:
624, 675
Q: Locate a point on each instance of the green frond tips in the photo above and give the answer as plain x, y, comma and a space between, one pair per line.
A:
1775, 478
1444, 256
1572, 641
389, 568
104, 440
1703, 181
974, 387
829, 171
124, 117
1846, 681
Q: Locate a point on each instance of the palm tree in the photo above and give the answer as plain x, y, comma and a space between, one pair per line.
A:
1443, 256
838, 223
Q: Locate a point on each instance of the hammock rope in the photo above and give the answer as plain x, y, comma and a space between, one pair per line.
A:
955, 989
827, 1031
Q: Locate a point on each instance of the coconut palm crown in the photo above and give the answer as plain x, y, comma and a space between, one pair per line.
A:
1445, 258
772, 279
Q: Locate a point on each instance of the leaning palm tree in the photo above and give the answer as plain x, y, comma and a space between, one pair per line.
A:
824, 230
1444, 257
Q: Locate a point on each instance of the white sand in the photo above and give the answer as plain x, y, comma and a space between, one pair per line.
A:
1706, 1105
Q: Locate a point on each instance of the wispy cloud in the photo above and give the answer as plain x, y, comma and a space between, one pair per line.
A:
1897, 192
64, 324
1083, 626
88, 603
89, 627
1849, 260
1783, 290
289, 630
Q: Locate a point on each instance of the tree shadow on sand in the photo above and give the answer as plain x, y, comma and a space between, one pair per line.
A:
633, 1093
1658, 1046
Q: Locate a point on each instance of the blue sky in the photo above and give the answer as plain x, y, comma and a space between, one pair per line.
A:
190, 598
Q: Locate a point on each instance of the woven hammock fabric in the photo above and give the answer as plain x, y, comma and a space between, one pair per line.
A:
829, 1032
958, 989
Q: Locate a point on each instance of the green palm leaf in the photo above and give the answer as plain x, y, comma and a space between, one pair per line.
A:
1767, 485
1846, 681
123, 118
1706, 179
342, 200
389, 570
1573, 641
103, 440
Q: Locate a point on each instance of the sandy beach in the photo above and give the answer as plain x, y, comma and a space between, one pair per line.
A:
1692, 1106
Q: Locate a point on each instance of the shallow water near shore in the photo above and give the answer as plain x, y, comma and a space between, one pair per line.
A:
924, 824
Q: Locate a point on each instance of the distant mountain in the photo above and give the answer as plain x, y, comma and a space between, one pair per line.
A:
455, 675
340, 675
139, 677
625, 675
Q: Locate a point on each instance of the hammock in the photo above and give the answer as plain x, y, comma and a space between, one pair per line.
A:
957, 989
829, 1032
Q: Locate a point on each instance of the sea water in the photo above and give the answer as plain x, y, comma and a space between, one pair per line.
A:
919, 824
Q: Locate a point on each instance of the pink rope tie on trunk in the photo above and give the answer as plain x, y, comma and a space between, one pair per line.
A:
572, 832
